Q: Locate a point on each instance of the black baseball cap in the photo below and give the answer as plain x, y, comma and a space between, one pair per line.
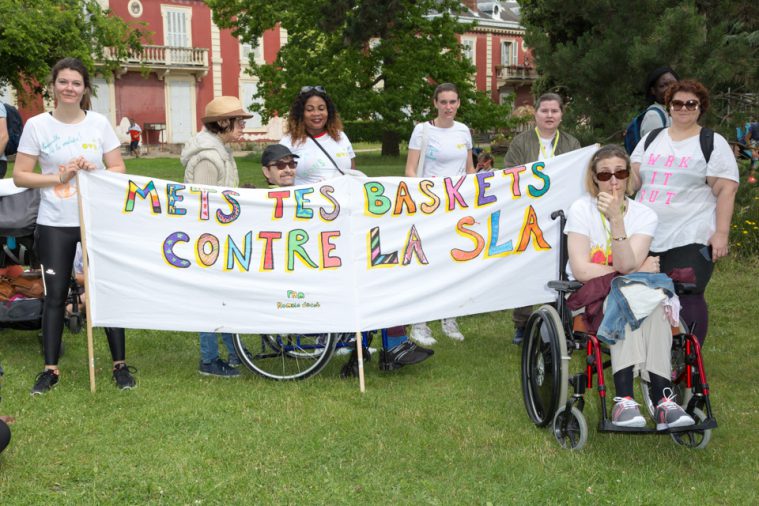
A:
274, 152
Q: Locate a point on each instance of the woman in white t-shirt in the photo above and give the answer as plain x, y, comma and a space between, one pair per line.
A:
608, 232
447, 146
693, 198
64, 141
315, 134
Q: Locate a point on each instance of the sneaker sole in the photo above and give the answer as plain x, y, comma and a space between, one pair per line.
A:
638, 421
424, 341
676, 424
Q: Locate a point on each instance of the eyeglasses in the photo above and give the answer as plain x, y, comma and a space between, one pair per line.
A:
606, 176
280, 165
317, 88
690, 105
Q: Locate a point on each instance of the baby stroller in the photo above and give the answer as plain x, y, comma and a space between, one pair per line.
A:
21, 285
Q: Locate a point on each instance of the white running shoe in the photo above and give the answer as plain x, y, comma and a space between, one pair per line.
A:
421, 334
451, 329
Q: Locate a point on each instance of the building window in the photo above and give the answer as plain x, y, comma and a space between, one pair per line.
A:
247, 91
176, 26
468, 49
506, 57
257, 51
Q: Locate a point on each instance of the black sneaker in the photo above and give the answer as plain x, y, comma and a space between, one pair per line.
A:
122, 375
46, 380
406, 353
218, 368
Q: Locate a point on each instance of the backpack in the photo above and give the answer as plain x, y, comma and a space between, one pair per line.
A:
705, 138
15, 127
632, 132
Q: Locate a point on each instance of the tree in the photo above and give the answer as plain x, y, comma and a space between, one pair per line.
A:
34, 35
379, 59
598, 53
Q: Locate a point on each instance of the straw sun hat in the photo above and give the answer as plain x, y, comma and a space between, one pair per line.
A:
224, 108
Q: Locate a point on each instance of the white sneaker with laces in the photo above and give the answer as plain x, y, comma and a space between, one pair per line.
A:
451, 329
421, 334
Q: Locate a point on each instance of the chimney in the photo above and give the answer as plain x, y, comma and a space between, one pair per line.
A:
471, 5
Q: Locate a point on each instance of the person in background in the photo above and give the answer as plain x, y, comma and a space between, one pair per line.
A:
542, 143
315, 134
279, 165
657, 82
134, 136
64, 141
3, 140
693, 198
447, 146
208, 160
485, 162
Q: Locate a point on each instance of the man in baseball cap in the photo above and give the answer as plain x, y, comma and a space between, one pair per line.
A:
278, 165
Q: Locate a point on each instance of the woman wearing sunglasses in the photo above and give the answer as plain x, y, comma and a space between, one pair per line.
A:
692, 197
315, 134
208, 159
609, 232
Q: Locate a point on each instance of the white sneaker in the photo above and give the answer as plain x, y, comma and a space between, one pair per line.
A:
451, 329
421, 333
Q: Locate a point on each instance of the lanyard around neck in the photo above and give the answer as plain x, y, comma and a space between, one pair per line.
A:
540, 143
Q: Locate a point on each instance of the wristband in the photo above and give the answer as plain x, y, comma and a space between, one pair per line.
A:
623, 238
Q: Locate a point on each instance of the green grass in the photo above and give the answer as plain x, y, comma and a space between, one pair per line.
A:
452, 430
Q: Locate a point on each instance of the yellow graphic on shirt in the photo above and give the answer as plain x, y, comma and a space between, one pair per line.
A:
599, 256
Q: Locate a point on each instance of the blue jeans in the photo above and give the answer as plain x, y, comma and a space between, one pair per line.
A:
209, 346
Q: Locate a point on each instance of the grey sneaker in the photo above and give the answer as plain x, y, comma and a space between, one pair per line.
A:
217, 368
422, 334
451, 329
626, 413
669, 414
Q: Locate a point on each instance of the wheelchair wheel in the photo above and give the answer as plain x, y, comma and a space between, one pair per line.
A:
682, 394
544, 372
570, 428
697, 439
285, 356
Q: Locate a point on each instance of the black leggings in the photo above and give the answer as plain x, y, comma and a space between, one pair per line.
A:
56, 249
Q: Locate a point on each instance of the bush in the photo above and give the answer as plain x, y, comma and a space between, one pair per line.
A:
744, 236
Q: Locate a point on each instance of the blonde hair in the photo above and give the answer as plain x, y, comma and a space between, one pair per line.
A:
608, 151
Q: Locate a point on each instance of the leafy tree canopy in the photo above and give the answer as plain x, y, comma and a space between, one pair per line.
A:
36, 34
379, 59
598, 53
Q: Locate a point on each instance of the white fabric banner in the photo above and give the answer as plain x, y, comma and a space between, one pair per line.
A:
345, 255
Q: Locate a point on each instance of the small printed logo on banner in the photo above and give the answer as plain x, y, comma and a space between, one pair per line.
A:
292, 294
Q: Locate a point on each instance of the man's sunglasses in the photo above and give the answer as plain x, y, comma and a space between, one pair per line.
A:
606, 176
319, 89
690, 105
279, 164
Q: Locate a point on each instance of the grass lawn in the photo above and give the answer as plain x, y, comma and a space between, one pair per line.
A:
452, 430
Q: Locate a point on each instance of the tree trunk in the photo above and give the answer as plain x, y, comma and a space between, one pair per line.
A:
391, 143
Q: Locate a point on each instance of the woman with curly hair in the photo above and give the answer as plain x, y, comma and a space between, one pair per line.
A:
691, 189
314, 134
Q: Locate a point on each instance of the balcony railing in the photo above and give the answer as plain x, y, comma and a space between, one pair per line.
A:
165, 59
516, 73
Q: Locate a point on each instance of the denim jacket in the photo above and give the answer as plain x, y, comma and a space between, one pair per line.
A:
618, 312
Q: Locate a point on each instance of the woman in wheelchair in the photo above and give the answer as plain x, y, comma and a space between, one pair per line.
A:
608, 232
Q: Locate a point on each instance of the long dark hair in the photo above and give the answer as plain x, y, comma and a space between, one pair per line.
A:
297, 128
76, 65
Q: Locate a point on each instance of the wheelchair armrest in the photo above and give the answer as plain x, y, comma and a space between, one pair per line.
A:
684, 288
564, 286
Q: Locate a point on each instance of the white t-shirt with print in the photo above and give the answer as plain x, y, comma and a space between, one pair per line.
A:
585, 219
55, 144
673, 184
447, 149
313, 165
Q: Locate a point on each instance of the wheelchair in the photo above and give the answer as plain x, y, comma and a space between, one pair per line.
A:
282, 357
552, 339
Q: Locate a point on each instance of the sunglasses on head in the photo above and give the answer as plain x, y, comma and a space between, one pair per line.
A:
606, 176
690, 105
317, 88
280, 165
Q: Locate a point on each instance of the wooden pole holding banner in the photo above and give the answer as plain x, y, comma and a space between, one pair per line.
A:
360, 352
85, 264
